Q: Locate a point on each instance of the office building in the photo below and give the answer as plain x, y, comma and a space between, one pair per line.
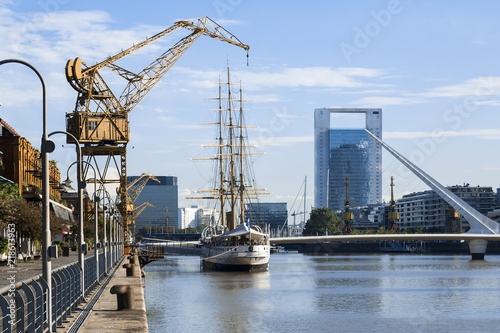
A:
481, 198
187, 217
426, 209
347, 152
197, 216
165, 199
274, 214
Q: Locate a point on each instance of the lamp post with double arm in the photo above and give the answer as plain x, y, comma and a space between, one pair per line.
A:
46, 148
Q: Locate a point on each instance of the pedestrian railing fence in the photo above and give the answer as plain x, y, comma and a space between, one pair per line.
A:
24, 304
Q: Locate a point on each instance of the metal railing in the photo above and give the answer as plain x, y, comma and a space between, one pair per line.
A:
24, 307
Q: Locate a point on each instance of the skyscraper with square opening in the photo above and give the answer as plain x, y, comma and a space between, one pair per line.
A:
347, 152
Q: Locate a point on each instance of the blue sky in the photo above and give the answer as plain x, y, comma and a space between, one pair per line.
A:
432, 66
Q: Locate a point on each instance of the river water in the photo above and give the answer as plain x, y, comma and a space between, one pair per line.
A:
327, 293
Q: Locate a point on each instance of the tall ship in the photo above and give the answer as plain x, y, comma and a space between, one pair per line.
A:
232, 242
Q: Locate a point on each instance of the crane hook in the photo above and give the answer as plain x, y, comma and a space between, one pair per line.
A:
247, 57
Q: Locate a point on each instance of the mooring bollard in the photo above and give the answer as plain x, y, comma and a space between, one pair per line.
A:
130, 269
124, 296
133, 259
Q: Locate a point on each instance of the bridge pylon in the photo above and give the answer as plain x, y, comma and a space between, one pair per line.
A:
479, 224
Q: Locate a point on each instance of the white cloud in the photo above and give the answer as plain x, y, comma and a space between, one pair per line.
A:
380, 101
283, 141
265, 98
227, 23
488, 103
52, 37
258, 79
309, 77
480, 87
490, 134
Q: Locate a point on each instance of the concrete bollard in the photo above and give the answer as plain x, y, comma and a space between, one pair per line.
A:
130, 269
124, 296
132, 259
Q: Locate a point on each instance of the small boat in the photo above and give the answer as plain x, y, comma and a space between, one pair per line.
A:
277, 249
233, 243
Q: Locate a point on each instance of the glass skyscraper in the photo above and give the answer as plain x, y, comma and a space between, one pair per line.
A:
347, 152
165, 199
274, 214
349, 156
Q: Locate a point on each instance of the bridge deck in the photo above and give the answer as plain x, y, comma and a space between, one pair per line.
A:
383, 237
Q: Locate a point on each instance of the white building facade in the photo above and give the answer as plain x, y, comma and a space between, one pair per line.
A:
194, 216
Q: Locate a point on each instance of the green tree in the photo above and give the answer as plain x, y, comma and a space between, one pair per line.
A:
355, 232
9, 191
200, 228
420, 230
321, 221
4, 244
27, 217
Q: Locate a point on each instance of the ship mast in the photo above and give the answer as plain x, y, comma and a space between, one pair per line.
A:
232, 190
232, 181
221, 161
242, 182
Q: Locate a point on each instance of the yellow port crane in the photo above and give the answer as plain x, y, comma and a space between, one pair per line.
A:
393, 215
139, 209
134, 189
100, 119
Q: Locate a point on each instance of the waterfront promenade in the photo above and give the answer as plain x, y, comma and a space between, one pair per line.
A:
98, 312
106, 318
30, 269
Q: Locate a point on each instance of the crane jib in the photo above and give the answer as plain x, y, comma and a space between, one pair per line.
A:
100, 119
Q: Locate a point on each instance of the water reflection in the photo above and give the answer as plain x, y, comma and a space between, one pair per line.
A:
318, 293
227, 281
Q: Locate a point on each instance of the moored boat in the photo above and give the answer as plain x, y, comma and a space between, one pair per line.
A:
241, 249
233, 243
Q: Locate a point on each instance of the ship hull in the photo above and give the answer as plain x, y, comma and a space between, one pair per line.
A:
236, 258
234, 268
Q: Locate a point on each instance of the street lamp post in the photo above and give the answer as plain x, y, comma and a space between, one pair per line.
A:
81, 185
47, 147
96, 224
104, 240
104, 230
96, 231
96, 215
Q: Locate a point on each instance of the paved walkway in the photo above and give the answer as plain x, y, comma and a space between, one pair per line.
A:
30, 269
105, 318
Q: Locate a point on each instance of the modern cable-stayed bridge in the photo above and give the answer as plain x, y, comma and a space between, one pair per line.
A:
482, 228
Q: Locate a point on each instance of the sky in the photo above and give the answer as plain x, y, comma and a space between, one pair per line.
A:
432, 66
